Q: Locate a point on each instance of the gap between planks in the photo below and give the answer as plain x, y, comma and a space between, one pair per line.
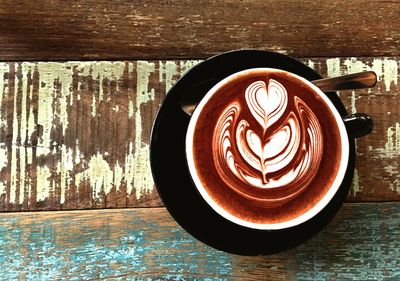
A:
48, 213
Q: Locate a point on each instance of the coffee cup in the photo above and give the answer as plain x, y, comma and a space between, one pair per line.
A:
267, 149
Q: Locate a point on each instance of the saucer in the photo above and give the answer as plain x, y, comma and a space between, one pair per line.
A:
171, 174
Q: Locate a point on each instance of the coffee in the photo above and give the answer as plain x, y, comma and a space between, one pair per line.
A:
266, 148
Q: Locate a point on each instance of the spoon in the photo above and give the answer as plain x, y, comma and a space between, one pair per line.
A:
360, 80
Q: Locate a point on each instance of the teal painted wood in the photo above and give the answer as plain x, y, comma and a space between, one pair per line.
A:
361, 243
91, 245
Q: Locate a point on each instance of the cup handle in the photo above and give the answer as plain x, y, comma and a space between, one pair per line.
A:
358, 124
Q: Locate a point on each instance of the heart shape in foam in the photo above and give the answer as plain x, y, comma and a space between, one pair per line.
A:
286, 155
266, 105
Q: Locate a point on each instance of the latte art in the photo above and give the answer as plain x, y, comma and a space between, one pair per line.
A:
266, 149
278, 145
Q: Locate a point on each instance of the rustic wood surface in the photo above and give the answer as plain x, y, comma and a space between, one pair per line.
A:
152, 29
75, 135
360, 244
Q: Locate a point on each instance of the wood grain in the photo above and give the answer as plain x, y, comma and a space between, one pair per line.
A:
361, 243
75, 135
151, 29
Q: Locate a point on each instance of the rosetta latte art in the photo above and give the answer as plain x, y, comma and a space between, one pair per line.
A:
280, 146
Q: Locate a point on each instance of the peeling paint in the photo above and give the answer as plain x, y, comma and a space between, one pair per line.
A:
386, 69
50, 105
3, 157
377, 67
138, 172
31, 121
391, 150
64, 167
43, 183
395, 186
187, 65
99, 174
310, 63
103, 71
333, 67
132, 168
393, 171
390, 72
23, 183
354, 65
4, 68
25, 130
55, 97
392, 146
353, 102
167, 72
94, 106
3, 164
2, 188
130, 109
14, 147
170, 71
78, 155
356, 183
118, 175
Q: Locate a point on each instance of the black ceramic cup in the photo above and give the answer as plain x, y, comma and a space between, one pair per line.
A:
178, 185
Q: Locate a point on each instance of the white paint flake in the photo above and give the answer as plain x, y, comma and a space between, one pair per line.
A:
137, 167
3, 164
310, 63
64, 168
392, 146
356, 183
99, 175
333, 67
168, 72
4, 68
14, 147
43, 183
386, 69
3, 157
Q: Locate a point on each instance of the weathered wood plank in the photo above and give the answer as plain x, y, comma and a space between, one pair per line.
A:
75, 135
378, 153
100, 29
62, 126
360, 244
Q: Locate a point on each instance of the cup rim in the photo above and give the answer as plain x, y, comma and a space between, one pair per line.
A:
317, 208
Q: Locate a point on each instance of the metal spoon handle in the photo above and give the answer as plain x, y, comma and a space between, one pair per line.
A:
358, 80
361, 80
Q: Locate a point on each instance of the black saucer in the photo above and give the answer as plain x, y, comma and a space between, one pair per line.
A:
173, 181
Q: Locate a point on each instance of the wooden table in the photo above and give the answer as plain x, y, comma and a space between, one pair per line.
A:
80, 83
